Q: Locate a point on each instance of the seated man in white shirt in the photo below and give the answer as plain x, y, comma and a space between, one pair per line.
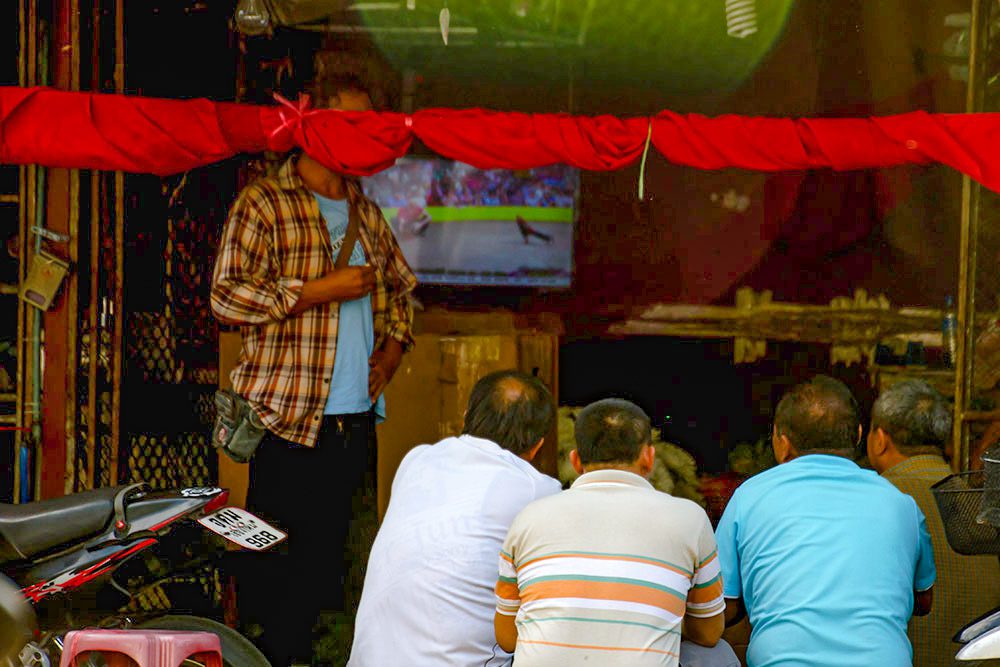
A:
428, 594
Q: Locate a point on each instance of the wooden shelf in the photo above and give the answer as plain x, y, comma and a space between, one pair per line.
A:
10, 199
942, 379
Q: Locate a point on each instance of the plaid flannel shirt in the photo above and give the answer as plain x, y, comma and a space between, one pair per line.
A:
274, 240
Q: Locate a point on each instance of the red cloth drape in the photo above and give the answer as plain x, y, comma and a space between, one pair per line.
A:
136, 134
146, 135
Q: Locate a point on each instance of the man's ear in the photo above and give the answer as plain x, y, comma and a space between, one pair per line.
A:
574, 460
783, 449
533, 452
647, 459
858, 442
878, 443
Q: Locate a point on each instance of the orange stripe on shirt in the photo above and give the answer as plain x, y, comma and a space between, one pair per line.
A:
706, 594
638, 649
604, 590
508, 590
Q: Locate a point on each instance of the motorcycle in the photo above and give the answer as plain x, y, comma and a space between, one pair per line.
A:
73, 559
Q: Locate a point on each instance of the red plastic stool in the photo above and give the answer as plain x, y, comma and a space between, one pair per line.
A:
148, 648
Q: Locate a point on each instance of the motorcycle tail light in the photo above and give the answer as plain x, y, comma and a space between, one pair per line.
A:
218, 502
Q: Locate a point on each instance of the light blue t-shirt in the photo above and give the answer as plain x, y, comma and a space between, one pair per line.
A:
355, 331
826, 557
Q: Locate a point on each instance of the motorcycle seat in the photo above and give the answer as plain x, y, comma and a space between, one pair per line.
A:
33, 528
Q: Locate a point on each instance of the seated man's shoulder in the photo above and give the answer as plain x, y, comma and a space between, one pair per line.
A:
412, 459
880, 486
546, 506
676, 505
763, 481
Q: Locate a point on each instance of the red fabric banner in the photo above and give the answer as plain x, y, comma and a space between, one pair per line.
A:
142, 135
490, 139
158, 136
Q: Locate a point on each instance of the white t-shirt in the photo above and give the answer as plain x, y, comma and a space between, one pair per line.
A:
428, 595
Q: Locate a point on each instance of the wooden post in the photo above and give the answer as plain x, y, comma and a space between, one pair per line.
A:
118, 302
59, 378
978, 40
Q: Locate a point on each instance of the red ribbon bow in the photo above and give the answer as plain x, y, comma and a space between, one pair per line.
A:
283, 136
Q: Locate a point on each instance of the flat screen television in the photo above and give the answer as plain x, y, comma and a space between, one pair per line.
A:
458, 225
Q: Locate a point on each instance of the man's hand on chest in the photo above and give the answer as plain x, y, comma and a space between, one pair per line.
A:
346, 284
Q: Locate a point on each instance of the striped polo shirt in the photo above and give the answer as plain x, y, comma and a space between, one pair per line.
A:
603, 573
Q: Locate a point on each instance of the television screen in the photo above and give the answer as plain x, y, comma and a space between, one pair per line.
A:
458, 225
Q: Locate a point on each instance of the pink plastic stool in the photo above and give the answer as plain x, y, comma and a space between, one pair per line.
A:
148, 648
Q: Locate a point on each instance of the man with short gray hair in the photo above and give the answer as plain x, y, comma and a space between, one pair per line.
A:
910, 426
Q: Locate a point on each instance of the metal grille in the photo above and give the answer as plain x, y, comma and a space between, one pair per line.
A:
188, 261
173, 345
204, 409
204, 586
172, 461
153, 348
105, 450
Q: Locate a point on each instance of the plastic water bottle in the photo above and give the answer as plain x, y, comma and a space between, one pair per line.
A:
949, 333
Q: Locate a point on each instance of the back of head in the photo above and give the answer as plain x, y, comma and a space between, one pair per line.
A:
327, 90
512, 409
915, 416
611, 431
819, 416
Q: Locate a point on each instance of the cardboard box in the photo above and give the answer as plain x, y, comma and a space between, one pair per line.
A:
426, 399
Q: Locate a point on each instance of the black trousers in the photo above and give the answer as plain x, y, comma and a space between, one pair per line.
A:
311, 494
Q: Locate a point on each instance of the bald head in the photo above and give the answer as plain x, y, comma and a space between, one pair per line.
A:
509, 408
818, 415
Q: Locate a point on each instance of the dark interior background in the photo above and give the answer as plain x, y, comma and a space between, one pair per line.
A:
806, 236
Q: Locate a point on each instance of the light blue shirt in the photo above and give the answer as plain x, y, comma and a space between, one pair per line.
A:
355, 330
826, 557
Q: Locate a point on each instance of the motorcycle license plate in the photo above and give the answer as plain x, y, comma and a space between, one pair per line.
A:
242, 528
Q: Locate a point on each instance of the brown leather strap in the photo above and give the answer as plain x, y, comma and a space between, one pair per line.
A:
350, 236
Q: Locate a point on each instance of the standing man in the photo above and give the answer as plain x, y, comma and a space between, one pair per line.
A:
911, 422
428, 597
320, 344
829, 560
606, 572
